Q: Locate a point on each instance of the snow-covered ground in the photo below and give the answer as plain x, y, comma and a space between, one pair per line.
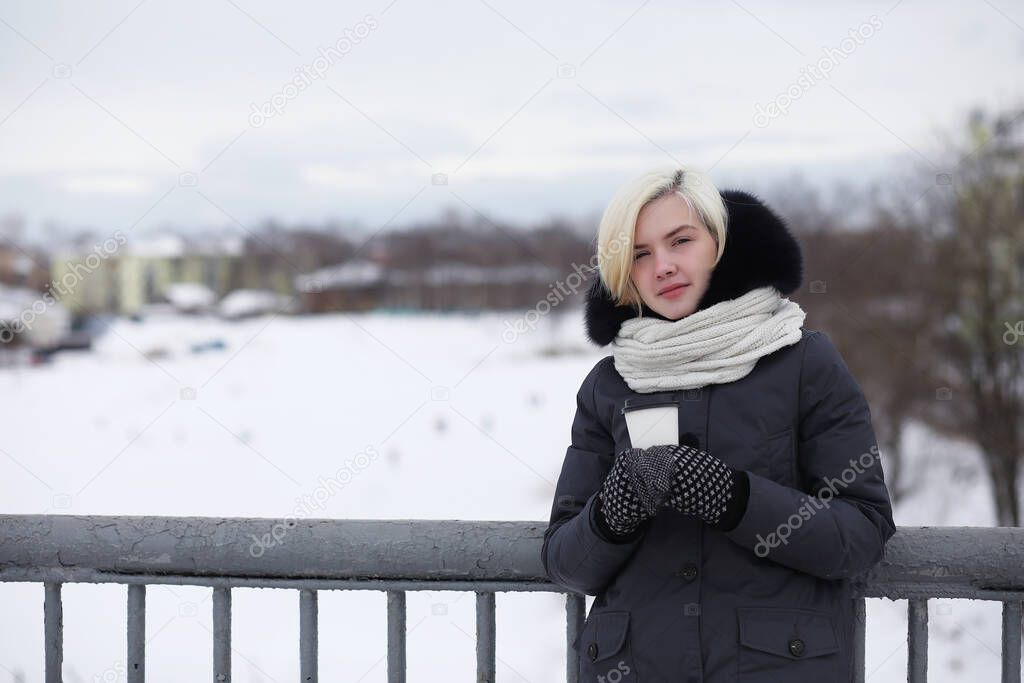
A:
470, 421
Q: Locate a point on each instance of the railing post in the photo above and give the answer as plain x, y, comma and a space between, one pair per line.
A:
485, 630
575, 616
308, 635
136, 633
396, 636
1011, 641
917, 640
222, 635
53, 628
860, 622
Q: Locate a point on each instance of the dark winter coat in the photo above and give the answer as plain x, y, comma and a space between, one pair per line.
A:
770, 599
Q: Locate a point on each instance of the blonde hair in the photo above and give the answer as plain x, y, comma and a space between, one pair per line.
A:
615, 236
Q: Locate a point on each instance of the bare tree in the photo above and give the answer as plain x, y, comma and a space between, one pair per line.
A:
865, 286
978, 280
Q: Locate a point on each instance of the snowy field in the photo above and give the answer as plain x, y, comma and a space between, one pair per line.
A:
468, 425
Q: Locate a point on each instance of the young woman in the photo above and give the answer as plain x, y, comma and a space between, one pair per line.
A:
725, 557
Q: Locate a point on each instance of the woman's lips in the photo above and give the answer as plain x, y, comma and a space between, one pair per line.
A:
674, 292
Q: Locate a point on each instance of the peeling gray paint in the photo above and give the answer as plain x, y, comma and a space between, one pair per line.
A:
934, 561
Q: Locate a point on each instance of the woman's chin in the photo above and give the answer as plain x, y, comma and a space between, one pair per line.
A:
675, 312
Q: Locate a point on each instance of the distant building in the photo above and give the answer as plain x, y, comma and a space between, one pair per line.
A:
194, 273
354, 285
142, 270
83, 281
363, 284
22, 266
29, 318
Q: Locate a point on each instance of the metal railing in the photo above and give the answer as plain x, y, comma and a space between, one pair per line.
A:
397, 556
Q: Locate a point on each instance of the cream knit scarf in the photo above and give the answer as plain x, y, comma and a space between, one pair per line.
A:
719, 344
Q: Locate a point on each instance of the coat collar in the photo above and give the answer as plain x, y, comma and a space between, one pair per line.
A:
759, 251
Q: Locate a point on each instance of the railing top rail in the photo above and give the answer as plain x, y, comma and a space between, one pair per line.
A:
981, 562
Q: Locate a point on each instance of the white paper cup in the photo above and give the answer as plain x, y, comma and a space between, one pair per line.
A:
652, 424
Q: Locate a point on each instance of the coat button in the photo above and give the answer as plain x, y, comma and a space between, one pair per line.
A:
592, 651
689, 439
796, 647
688, 571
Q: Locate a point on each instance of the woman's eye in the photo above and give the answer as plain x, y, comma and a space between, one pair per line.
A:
644, 253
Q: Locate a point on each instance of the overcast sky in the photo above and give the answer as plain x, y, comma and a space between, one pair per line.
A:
140, 115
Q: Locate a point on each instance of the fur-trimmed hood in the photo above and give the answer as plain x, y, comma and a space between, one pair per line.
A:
760, 251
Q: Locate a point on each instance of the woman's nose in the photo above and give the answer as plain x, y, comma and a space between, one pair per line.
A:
665, 267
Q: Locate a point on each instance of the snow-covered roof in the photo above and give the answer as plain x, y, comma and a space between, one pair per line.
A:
41, 328
23, 264
461, 273
361, 273
218, 244
16, 300
189, 295
156, 245
245, 302
354, 273
162, 244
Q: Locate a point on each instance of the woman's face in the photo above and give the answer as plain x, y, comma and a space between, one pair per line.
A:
672, 247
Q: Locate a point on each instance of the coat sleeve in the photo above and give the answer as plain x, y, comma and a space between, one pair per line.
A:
841, 529
575, 553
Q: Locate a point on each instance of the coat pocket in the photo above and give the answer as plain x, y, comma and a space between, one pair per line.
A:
787, 644
604, 649
777, 458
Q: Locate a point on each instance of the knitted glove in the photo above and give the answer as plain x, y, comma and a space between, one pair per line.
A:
704, 486
636, 486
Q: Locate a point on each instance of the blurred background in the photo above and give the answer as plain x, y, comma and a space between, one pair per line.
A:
326, 260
